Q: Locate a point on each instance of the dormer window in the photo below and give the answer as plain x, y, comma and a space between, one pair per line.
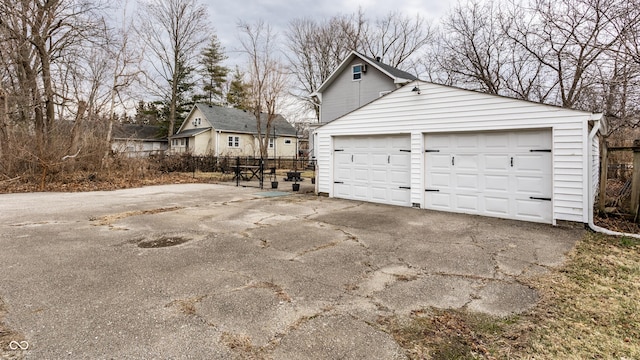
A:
357, 71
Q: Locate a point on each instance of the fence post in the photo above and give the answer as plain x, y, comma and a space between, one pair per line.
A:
635, 182
604, 169
237, 171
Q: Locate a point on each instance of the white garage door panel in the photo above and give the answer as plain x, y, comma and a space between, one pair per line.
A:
373, 168
490, 173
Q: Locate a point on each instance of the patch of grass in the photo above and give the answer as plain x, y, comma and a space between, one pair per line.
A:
588, 309
449, 334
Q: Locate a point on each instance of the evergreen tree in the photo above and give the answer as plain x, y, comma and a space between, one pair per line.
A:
214, 75
237, 96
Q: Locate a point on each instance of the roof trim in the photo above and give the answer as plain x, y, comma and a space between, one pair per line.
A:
354, 54
190, 133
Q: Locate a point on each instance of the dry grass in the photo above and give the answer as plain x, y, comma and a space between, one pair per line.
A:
186, 306
589, 309
110, 219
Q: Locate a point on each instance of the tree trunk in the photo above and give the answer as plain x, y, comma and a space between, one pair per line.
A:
4, 123
76, 131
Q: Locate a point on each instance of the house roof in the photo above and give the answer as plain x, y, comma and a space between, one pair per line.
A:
398, 76
190, 132
240, 121
137, 132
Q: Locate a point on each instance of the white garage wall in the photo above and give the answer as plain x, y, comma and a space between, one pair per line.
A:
441, 108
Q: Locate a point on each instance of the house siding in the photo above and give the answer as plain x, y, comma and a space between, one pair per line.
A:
345, 95
445, 109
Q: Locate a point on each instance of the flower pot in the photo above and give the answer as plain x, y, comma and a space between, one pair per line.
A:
296, 187
274, 184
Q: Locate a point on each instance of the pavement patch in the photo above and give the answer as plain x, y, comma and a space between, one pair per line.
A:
273, 193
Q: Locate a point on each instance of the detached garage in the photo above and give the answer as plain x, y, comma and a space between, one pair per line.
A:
449, 149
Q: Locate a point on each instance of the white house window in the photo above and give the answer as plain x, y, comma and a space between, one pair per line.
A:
357, 71
181, 142
287, 141
234, 141
271, 142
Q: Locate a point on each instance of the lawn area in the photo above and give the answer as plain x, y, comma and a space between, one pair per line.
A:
588, 310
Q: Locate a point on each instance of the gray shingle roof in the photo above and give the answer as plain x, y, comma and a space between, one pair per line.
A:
190, 132
390, 69
235, 120
137, 132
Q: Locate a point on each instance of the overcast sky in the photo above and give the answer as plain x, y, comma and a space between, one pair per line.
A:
225, 14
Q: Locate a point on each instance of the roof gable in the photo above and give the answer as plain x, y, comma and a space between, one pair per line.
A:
397, 75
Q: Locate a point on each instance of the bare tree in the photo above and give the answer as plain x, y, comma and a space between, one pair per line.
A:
174, 30
38, 40
267, 77
316, 48
395, 38
475, 50
569, 37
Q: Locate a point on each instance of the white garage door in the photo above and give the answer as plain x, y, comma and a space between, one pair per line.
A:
501, 174
373, 168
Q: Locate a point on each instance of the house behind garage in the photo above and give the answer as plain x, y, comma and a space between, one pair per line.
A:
221, 131
443, 148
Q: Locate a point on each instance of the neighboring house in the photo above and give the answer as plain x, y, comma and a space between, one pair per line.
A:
221, 131
136, 140
357, 81
442, 148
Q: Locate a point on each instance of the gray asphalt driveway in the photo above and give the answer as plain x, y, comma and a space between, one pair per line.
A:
212, 271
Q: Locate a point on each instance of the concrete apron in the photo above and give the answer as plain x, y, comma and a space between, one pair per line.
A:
211, 271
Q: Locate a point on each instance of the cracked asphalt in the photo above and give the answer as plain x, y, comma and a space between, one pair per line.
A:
213, 271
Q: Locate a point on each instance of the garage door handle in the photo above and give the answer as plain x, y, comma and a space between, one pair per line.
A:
453, 160
434, 190
338, 182
405, 187
539, 198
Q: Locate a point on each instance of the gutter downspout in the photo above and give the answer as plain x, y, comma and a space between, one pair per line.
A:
591, 201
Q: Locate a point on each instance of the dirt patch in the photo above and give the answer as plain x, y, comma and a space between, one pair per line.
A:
186, 306
110, 219
162, 241
277, 289
448, 334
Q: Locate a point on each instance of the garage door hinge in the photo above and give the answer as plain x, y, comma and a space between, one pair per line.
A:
435, 190
405, 187
540, 150
539, 198
338, 182
338, 149
429, 150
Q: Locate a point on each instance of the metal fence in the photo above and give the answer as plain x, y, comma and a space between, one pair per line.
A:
227, 164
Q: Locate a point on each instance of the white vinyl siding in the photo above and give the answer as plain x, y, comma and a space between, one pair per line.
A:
446, 109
